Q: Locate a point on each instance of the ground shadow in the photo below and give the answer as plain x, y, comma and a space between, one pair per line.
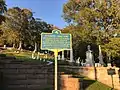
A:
86, 83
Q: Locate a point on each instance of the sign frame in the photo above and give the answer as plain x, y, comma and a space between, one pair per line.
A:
111, 71
56, 50
57, 32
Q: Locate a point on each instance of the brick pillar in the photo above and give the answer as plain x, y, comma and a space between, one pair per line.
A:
69, 83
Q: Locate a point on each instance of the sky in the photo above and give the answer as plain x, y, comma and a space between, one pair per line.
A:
48, 10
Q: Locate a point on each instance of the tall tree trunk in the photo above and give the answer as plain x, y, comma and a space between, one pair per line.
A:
4, 44
13, 45
33, 54
35, 47
38, 55
38, 47
20, 45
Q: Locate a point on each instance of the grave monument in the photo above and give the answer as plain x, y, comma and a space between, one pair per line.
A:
89, 57
100, 57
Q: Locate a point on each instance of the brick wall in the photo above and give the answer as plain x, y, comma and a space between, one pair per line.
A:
99, 73
25, 75
33, 75
69, 83
102, 76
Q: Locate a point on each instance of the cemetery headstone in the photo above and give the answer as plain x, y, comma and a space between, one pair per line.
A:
78, 61
89, 57
59, 57
100, 56
63, 55
71, 55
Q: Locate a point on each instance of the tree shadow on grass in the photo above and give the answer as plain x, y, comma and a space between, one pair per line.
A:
86, 84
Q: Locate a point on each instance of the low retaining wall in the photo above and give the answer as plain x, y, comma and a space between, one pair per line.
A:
25, 75
98, 73
69, 83
33, 75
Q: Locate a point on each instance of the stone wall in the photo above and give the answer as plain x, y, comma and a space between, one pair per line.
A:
100, 74
69, 83
25, 75
36, 75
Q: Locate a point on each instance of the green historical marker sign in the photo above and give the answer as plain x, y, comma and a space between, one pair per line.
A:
56, 40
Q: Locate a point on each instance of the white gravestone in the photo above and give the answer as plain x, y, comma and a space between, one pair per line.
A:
59, 57
100, 57
38, 56
63, 55
71, 55
89, 57
78, 60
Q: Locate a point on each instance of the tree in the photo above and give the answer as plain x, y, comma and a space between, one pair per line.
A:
113, 47
36, 27
81, 38
17, 21
3, 9
9, 36
98, 14
93, 21
93, 14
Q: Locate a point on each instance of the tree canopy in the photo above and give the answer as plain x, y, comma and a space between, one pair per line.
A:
93, 22
20, 26
3, 9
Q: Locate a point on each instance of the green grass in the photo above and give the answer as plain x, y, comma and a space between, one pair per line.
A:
98, 86
23, 55
89, 84
13, 53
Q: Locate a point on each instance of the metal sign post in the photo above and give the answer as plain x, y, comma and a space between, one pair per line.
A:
56, 42
111, 72
56, 54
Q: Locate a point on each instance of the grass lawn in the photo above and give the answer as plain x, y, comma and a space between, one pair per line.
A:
94, 85
11, 52
98, 86
88, 84
24, 55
